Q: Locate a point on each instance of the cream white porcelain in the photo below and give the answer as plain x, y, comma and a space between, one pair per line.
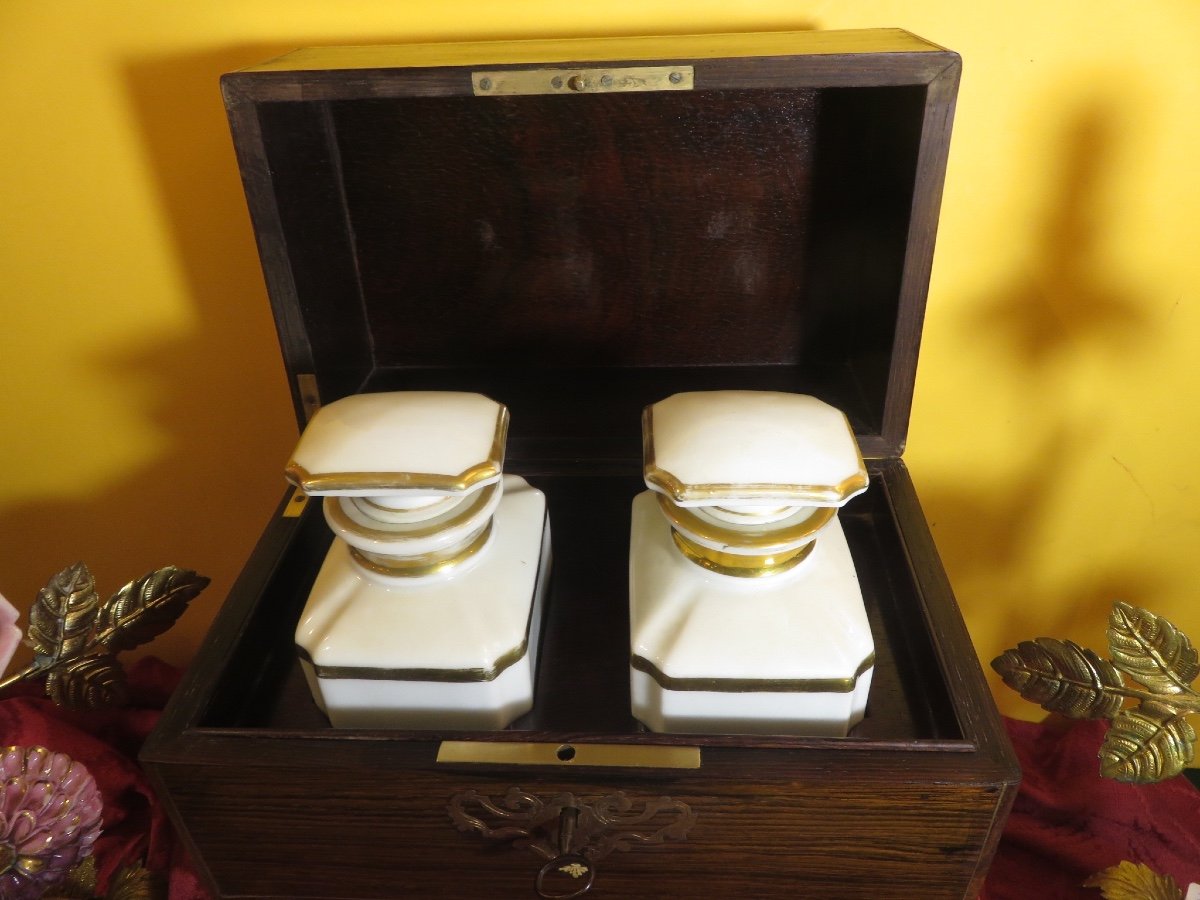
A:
392, 648
416, 445
748, 536
806, 626
426, 611
751, 449
746, 615
438, 532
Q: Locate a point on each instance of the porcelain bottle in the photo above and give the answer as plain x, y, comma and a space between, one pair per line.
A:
426, 611
746, 614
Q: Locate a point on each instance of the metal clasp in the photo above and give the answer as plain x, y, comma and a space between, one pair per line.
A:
573, 833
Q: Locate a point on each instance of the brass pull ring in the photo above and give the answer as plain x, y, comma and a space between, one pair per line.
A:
576, 865
569, 862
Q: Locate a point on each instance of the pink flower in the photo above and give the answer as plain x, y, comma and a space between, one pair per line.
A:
10, 634
50, 812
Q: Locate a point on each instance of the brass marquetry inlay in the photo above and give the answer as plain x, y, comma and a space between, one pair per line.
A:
754, 685
575, 870
554, 754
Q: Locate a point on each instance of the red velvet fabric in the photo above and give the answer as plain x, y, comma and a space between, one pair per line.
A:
135, 829
1068, 823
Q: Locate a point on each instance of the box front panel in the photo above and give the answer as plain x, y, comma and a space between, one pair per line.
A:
828, 831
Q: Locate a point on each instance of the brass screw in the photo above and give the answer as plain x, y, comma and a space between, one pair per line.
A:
485, 84
606, 81
675, 77
556, 82
577, 83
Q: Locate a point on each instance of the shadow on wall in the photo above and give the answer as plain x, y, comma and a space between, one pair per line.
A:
1069, 297
217, 396
1070, 293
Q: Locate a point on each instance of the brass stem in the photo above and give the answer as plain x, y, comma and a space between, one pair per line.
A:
1189, 701
33, 669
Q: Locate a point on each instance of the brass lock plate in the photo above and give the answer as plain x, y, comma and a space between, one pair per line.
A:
581, 754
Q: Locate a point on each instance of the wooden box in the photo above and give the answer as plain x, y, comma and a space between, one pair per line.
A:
578, 229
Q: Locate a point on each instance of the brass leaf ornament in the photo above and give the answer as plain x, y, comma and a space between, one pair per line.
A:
144, 609
88, 682
132, 882
80, 883
135, 882
62, 616
75, 637
1150, 738
1152, 650
1063, 677
1150, 743
1134, 881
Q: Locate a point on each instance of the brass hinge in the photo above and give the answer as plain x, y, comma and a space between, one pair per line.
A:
295, 505
310, 394
582, 81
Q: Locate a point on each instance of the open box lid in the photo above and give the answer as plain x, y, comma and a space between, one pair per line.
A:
580, 228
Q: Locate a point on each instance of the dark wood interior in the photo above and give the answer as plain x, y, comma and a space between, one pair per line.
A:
568, 241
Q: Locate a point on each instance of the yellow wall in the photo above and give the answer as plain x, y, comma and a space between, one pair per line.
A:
146, 418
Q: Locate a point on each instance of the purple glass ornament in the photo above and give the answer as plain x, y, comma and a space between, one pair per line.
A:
50, 811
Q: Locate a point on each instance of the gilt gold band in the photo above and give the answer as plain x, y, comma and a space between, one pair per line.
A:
426, 563
470, 507
739, 565
446, 676
382, 482
754, 685
808, 494
760, 540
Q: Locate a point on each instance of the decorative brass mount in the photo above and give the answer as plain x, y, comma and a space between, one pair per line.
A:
1147, 742
638, 79
76, 636
570, 833
1134, 881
